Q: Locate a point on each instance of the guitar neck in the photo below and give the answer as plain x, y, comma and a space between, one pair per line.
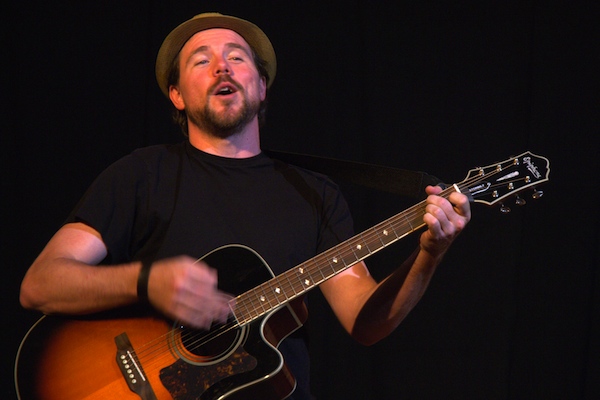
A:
297, 281
487, 185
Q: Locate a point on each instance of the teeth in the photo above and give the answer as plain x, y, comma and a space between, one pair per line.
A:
225, 91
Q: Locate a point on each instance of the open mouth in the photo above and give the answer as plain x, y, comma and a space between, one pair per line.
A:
225, 90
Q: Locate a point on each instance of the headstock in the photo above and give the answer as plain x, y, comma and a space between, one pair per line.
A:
495, 182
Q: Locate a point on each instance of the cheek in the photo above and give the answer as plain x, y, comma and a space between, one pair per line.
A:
258, 90
194, 91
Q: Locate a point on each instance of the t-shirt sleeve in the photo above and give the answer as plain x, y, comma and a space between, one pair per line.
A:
111, 204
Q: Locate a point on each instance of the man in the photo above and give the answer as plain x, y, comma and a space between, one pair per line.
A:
150, 216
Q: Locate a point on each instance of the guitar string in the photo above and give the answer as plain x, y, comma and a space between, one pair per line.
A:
154, 352
370, 236
311, 267
306, 270
260, 291
366, 237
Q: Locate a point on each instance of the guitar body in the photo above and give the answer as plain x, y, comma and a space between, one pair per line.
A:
77, 358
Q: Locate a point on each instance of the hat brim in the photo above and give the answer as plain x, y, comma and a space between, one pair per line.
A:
174, 42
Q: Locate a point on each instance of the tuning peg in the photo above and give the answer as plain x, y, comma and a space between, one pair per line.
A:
504, 209
520, 201
537, 193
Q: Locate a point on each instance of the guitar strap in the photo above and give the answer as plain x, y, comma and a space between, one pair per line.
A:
406, 183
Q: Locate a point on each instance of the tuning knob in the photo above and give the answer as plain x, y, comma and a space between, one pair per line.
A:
537, 194
520, 201
504, 209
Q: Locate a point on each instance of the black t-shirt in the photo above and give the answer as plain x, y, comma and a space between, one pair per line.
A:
169, 200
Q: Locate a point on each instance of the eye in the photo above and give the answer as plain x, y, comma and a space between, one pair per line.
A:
235, 56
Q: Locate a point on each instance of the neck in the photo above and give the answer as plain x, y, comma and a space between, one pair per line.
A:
240, 145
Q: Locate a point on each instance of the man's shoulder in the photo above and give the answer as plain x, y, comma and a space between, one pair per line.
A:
148, 160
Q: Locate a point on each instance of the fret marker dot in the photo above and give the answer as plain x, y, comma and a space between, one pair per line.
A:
335, 260
301, 270
359, 247
385, 232
277, 290
262, 298
306, 282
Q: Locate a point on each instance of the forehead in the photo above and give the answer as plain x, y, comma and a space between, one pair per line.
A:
214, 38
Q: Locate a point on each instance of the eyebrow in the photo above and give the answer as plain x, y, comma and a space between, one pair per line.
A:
231, 45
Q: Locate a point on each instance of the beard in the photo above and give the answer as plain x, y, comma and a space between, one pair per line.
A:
229, 122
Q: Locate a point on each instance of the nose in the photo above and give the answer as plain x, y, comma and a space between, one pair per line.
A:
222, 67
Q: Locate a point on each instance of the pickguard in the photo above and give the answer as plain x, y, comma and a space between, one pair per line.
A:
187, 381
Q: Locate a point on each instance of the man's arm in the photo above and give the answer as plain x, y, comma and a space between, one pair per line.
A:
65, 279
370, 311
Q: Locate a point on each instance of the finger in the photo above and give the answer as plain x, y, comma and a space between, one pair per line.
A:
439, 209
456, 208
461, 205
433, 190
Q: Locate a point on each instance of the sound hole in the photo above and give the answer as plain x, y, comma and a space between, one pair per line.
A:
206, 347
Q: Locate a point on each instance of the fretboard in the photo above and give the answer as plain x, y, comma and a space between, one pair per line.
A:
295, 282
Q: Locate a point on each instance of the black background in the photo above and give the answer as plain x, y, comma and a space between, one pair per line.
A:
439, 86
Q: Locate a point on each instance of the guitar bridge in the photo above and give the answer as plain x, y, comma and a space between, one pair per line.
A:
131, 368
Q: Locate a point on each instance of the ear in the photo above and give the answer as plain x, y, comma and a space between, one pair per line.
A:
263, 88
176, 98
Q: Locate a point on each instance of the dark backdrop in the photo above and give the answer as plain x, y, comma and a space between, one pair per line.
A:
440, 86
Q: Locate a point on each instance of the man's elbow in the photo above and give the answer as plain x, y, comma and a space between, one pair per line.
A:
31, 297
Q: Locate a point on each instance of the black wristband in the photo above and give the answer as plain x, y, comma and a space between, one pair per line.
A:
142, 282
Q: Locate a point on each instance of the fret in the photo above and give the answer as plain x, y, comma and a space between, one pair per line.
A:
259, 303
287, 277
348, 259
418, 218
248, 314
333, 258
278, 291
336, 262
387, 234
360, 249
407, 220
249, 306
327, 270
381, 235
317, 263
332, 261
373, 242
394, 230
297, 280
304, 277
267, 294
